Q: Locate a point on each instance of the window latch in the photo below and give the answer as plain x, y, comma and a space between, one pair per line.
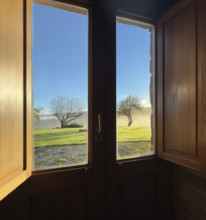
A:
98, 137
99, 123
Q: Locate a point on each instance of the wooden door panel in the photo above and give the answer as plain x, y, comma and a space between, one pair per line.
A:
62, 204
104, 188
137, 198
84, 183
143, 189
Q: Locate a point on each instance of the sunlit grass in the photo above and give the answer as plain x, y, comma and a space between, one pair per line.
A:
56, 137
133, 134
72, 136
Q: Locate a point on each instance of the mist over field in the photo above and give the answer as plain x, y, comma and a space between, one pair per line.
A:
140, 118
48, 121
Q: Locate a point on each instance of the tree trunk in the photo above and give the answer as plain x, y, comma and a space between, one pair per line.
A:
62, 124
129, 120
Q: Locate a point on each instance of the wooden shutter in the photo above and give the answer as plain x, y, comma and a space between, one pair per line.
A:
15, 94
180, 86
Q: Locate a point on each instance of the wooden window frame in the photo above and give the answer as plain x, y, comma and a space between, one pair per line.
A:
74, 6
145, 21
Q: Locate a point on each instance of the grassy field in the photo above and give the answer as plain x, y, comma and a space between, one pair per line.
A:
72, 136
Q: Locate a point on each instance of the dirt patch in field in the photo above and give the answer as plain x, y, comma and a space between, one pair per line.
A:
134, 149
55, 156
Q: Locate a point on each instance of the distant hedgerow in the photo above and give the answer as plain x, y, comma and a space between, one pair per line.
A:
74, 125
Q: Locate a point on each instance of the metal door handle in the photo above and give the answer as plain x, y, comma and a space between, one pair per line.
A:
99, 124
98, 137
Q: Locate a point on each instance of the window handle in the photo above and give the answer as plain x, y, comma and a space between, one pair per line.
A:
99, 136
99, 123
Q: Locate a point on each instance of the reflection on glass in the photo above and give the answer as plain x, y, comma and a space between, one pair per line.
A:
135, 89
60, 85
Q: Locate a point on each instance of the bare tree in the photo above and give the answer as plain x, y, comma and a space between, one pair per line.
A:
127, 105
66, 109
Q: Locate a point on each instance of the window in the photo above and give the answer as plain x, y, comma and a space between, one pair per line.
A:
60, 85
135, 89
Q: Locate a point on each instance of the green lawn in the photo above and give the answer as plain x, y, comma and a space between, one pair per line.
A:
133, 134
72, 136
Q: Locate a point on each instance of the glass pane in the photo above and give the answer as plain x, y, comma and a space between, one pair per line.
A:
135, 89
60, 85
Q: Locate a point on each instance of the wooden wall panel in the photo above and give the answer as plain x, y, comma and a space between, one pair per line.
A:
4, 210
190, 202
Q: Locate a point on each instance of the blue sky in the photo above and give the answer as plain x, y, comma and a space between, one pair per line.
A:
60, 57
133, 61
